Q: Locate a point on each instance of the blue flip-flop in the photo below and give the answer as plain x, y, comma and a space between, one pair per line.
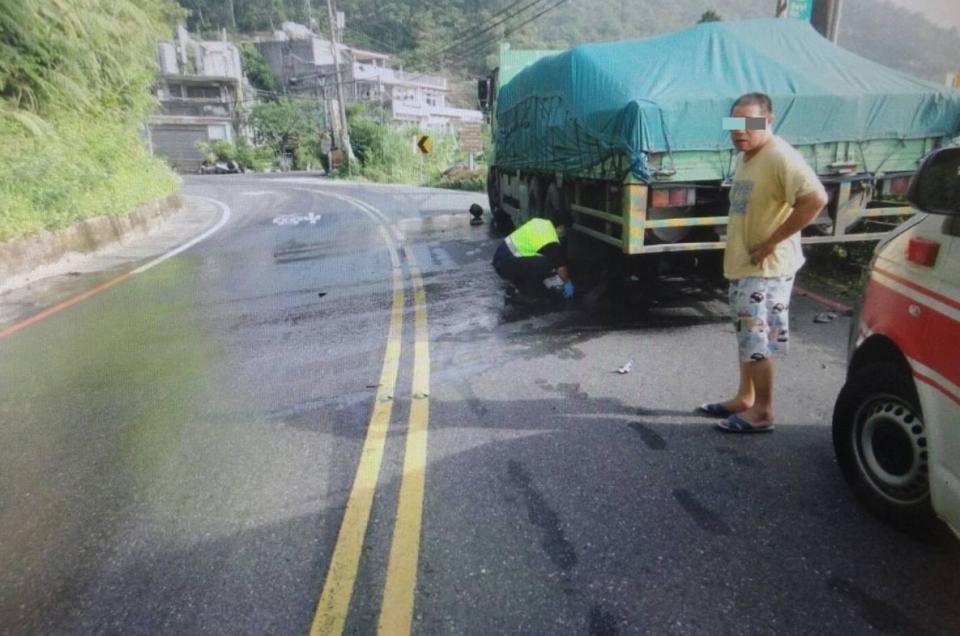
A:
714, 409
736, 424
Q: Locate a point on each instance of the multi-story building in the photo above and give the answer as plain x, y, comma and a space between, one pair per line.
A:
304, 62
200, 87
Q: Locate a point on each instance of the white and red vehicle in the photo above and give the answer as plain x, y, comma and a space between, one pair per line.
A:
896, 423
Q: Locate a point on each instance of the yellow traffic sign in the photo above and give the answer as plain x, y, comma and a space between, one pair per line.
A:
425, 144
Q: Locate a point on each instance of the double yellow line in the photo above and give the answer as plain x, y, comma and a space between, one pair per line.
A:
396, 612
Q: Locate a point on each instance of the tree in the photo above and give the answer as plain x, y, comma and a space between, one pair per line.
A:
709, 16
257, 70
288, 126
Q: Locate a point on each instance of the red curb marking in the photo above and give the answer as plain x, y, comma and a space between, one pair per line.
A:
23, 324
836, 305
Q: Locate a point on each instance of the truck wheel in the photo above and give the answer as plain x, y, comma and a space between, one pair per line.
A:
501, 220
555, 205
881, 444
493, 189
670, 234
535, 207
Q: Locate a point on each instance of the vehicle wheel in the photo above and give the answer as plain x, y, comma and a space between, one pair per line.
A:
881, 444
670, 234
555, 205
493, 189
501, 220
535, 206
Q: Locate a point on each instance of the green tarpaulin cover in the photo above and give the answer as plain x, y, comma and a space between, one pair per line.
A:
669, 93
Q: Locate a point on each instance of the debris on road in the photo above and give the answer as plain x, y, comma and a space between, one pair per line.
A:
477, 213
625, 369
828, 316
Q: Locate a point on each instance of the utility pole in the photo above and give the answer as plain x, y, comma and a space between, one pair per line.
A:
344, 131
309, 9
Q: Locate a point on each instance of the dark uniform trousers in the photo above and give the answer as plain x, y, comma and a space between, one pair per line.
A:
526, 272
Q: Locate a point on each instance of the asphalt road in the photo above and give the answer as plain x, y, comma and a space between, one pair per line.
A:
179, 452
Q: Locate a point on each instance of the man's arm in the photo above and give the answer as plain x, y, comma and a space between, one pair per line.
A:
554, 252
805, 210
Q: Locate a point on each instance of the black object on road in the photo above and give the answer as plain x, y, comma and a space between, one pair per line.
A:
477, 213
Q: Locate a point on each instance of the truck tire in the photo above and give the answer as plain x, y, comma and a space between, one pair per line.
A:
555, 205
501, 220
881, 444
670, 234
535, 205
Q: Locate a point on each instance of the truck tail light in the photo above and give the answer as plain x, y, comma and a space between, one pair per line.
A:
898, 185
672, 197
923, 252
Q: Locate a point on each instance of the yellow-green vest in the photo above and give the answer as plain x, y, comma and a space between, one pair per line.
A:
533, 235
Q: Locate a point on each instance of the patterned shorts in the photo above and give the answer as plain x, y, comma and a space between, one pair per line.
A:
761, 312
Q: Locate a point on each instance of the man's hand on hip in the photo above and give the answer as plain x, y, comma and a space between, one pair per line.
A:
761, 252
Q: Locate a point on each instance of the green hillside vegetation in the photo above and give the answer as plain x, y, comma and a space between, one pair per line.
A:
459, 38
75, 91
430, 36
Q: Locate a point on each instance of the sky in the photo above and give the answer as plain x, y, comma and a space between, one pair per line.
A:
941, 12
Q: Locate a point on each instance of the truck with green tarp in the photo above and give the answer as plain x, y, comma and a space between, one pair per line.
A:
627, 136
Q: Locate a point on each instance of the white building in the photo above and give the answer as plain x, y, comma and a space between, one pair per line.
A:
304, 62
199, 88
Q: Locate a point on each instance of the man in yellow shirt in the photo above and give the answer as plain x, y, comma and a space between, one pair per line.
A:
775, 194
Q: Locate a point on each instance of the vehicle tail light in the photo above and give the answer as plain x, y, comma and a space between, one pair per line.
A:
898, 185
923, 252
672, 197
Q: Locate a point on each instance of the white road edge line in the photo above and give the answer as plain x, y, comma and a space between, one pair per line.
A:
224, 217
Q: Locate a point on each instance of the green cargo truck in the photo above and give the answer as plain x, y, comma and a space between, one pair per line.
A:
628, 138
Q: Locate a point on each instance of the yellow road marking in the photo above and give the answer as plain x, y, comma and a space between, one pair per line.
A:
396, 613
334, 604
399, 595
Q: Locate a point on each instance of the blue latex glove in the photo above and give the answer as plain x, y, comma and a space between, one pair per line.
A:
568, 290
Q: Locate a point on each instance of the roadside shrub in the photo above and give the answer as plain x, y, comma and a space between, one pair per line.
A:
75, 92
257, 158
290, 127
461, 178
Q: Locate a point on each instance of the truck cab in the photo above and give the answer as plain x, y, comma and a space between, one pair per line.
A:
896, 422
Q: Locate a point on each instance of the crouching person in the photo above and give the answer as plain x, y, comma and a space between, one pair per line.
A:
534, 261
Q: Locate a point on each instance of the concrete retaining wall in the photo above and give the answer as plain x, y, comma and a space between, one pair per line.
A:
21, 256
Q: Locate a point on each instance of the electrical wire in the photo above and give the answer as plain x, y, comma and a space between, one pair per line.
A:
510, 31
476, 34
477, 47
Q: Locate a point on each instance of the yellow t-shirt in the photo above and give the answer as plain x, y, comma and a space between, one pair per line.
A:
764, 191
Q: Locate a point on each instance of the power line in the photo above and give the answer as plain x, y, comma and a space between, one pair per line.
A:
465, 32
479, 46
476, 34
475, 49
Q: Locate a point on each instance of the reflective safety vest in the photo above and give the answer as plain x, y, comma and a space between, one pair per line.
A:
527, 239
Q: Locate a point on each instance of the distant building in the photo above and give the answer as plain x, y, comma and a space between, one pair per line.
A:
200, 87
303, 62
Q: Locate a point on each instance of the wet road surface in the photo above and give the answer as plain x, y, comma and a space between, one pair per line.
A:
178, 453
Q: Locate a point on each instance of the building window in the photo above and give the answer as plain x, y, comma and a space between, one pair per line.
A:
203, 92
216, 132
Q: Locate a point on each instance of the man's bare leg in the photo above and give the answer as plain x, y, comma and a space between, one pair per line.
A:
760, 413
745, 396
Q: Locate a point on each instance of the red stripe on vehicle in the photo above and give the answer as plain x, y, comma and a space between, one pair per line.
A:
930, 338
920, 288
937, 386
